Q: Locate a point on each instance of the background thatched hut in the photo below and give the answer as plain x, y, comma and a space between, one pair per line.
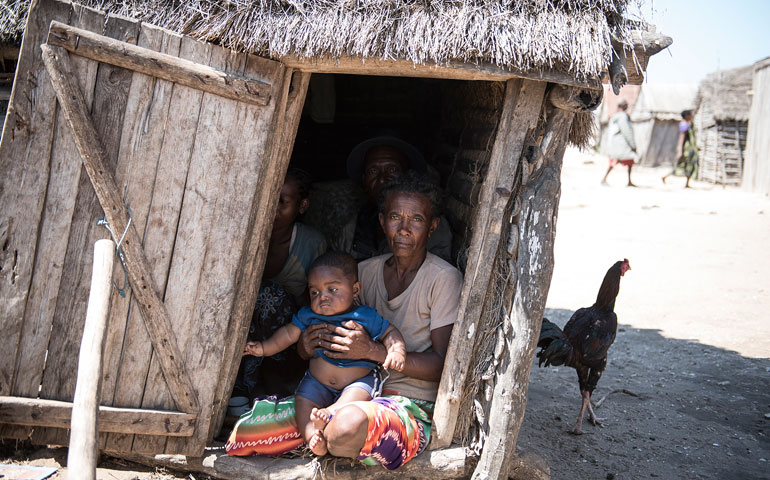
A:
721, 124
756, 173
491, 92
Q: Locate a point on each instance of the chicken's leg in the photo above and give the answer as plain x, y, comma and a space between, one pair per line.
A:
578, 430
591, 415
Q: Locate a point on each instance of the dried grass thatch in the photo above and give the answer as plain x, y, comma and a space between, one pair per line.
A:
723, 95
572, 36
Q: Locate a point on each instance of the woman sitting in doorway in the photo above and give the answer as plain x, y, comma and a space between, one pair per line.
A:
418, 293
283, 290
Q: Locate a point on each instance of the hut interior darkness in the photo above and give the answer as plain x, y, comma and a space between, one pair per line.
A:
145, 125
451, 122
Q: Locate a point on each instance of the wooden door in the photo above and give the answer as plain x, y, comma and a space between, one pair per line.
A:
191, 155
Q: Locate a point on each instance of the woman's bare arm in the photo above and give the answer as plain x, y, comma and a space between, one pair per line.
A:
429, 365
394, 342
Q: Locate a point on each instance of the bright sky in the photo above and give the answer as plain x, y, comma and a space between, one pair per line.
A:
708, 35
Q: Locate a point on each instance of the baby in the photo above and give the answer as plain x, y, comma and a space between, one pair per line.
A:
330, 383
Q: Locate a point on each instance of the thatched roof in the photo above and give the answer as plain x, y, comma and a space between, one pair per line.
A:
571, 36
723, 95
664, 101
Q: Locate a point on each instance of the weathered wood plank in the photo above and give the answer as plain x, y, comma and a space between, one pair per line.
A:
110, 93
521, 109
138, 158
24, 173
407, 68
84, 425
54, 230
161, 228
534, 264
209, 165
56, 413
156, 315
216, 296
157, 64
284, 127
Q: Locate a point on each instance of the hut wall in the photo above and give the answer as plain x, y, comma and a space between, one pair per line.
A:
467, 126
757, 167
722, 150
659, 146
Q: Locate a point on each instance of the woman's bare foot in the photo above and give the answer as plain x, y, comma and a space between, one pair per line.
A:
317, 444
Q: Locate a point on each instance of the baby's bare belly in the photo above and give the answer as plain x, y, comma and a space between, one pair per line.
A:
334, 376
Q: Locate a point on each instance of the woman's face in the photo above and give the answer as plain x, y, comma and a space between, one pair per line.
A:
407, 222
290, 204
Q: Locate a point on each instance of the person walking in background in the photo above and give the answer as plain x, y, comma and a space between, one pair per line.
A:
686, 150
622, 147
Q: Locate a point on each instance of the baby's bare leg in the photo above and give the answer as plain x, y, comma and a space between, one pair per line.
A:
302, 409
320, 417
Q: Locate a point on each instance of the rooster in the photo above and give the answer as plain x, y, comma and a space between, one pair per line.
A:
586, 339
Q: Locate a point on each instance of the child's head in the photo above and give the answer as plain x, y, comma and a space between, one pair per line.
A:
333, 283
293, 200
687, 115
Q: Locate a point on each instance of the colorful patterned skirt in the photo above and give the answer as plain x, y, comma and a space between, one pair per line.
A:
399, 429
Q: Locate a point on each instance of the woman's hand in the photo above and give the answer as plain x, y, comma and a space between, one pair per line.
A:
310, 341
352, 342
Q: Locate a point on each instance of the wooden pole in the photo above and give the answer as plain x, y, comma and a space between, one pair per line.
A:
523, 99
83, 449
536, 228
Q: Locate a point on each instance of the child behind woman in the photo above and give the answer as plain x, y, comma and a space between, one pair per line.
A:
330, 383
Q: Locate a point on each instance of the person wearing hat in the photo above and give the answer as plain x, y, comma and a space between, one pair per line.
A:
373, 163
622, 147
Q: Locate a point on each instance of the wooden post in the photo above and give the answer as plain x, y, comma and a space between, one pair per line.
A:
83, 450
536, 228
523, 100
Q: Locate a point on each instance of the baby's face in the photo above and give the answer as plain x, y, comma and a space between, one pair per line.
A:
331, 291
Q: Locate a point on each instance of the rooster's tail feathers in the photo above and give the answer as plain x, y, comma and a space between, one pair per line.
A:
554, 348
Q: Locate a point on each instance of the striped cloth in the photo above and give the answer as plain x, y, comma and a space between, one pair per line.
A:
270, 429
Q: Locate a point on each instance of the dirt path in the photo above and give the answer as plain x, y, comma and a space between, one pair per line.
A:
694, 340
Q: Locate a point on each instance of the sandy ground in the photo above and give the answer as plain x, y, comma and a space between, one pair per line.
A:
694, 339
694, 335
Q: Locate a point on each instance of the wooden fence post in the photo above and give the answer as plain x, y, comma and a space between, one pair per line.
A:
83, 450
